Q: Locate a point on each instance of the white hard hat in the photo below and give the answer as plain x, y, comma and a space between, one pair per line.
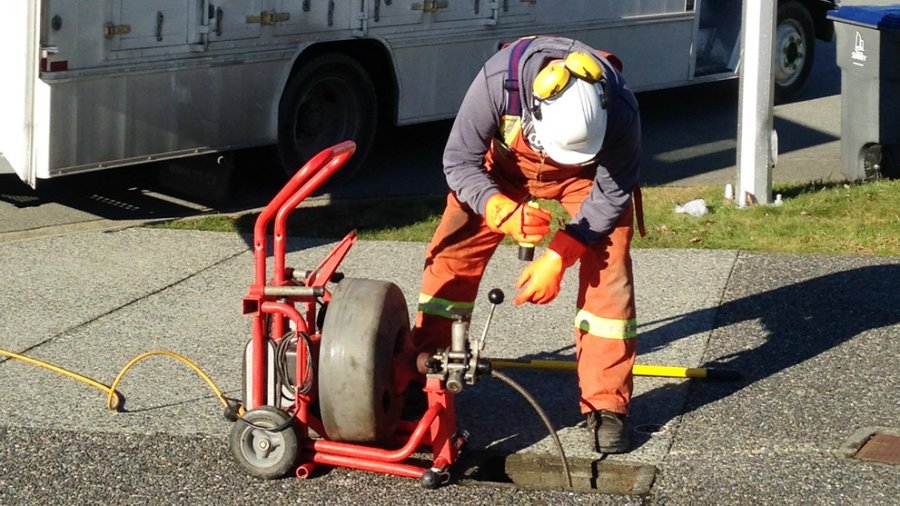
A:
570, 126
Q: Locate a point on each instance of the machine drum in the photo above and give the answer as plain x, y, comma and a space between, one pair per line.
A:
365, 322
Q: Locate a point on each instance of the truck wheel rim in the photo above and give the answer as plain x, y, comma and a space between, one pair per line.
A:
790, 53
323, 115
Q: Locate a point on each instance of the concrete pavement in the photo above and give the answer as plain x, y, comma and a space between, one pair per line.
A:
814, 336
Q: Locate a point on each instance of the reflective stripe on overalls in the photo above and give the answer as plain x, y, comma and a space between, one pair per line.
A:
445, 308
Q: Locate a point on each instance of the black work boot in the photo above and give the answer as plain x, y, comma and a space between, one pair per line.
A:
607, 430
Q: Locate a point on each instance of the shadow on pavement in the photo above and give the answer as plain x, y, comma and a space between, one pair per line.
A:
795, 323
783, 328
680, 143
693, 130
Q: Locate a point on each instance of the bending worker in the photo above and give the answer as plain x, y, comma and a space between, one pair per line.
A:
546, 118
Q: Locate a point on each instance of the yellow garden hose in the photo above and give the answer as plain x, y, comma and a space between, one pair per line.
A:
205, 377
113, 401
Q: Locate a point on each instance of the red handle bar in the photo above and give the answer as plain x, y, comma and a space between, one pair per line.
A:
306, 181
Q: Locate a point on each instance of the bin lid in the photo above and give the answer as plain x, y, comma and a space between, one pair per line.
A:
880, 18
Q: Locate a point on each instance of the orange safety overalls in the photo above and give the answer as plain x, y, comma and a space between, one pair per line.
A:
605, 325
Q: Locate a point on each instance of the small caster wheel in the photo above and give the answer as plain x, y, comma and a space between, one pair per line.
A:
431, 480
264, 444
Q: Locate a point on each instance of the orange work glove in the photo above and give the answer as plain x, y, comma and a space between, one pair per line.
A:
525, 224
542, 277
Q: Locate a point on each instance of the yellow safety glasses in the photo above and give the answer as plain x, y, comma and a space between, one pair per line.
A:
554, 77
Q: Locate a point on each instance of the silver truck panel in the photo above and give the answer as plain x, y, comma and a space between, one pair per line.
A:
126, 81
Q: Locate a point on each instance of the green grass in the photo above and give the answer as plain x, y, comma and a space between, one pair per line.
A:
817, 217
829, 218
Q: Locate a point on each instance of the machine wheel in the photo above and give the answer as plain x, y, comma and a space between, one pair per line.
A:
365, 322
329, 100
430, 480
795, 48
264, 453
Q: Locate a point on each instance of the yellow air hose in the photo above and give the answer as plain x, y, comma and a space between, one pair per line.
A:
113, 401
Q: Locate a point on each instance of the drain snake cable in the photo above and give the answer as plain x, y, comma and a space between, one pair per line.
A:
113, 400
567, 474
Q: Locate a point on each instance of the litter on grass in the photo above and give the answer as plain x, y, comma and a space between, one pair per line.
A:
695, 208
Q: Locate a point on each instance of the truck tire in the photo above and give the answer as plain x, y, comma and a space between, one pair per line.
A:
328, 100
795, 49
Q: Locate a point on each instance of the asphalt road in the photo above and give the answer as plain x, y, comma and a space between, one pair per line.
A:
689, 139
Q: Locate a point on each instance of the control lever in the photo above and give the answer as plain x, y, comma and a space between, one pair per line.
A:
495, 297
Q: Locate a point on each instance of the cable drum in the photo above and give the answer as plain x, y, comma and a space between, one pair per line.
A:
365, 323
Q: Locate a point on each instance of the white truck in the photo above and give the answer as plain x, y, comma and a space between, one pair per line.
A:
97, 84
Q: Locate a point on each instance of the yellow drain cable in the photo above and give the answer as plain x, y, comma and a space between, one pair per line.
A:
113, 402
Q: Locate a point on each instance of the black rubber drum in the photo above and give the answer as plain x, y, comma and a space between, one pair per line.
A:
364, 324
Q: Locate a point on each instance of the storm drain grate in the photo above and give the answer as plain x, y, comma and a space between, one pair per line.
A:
883, 448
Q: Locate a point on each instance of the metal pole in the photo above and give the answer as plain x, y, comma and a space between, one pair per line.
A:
757, 142
663, 371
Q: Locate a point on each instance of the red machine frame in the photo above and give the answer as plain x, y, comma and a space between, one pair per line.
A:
271, 304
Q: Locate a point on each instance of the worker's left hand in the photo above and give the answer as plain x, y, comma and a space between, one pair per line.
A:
541, 278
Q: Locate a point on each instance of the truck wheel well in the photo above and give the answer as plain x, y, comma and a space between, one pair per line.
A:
376, 61
818, 8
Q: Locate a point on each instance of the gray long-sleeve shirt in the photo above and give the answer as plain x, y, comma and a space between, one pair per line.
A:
478, 122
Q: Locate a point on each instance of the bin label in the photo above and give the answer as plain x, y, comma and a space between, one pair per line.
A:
859, 51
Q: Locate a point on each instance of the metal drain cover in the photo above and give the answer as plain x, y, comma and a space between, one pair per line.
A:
883, 448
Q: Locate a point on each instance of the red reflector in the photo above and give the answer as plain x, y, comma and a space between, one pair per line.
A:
54, 66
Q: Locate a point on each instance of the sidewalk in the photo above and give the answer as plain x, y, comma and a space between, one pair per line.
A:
815, 338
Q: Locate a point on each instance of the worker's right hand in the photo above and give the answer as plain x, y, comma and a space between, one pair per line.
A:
525, 224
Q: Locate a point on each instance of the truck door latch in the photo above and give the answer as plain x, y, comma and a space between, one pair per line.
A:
269, 18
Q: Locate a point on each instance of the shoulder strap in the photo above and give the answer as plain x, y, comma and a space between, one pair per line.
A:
614, 60
513, 103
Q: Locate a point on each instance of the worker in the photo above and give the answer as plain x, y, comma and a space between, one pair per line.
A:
546, 118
